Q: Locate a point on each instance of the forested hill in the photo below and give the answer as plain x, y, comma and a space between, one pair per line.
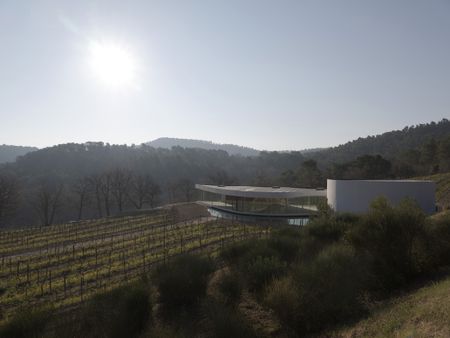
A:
104, 179
390, 144
9, 153
231, 149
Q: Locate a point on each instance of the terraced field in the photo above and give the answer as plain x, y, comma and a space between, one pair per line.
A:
64, 265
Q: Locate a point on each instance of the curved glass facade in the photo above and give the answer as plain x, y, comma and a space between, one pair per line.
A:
294, 211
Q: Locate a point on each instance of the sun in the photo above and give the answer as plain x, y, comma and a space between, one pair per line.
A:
112, 64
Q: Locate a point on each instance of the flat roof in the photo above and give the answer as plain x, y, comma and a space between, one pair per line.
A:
386, 181
261, 192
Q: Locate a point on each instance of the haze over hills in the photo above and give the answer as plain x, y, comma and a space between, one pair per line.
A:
412, 152
231, 149
9, 153
389, 144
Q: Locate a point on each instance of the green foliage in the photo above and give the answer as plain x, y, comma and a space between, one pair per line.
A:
308, 175
233, 253
326, 229
438, 241
329, 289
319, 233
230, 287
164, 332
27, 323
392, 237
262, 270
182, 283
391, 145
282, 296
226, 322
122, 312
286, 243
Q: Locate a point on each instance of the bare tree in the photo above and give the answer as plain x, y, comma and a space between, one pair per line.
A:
9, 196
153, 192
95, 185
105, 188
143, 190
172, 188
81, 190
187, 188
48, 201
120, 183
221, 177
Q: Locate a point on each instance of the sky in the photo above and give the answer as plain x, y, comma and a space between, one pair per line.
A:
272, 75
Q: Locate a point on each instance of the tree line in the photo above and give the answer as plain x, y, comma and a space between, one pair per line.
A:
95, 196
94, 179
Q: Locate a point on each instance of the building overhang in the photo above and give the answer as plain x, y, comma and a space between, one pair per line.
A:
261, 192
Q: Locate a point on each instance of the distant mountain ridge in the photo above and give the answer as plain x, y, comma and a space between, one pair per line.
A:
389, 144
9, 153
231, 149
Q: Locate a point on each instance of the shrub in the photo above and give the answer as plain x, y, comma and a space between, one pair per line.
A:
392, 236
182, 283
26, 324
230, 287
286, 244
226, 322
122, 312
347, 217
327, 229
329, 289
262, 270
260, 248
231, 254
282, 296
163, 332
438, 241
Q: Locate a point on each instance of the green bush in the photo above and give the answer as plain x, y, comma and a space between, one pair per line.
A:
260, 248
438, 241
230, 287
163, 332
26, 324
392, 237
286, 244
327, 229
320, 233
261, 270
122, 312
347, 217
329, 289
226, 322
233, 253
282, 296
182, 283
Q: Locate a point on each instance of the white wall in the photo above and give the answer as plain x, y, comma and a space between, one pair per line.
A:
356, 195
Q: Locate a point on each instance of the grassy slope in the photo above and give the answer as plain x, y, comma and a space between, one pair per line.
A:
423, 313
442, 188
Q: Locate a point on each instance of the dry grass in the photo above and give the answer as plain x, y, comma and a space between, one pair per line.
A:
424, 313
442, 188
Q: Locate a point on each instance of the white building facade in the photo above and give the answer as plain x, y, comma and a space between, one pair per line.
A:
356, 195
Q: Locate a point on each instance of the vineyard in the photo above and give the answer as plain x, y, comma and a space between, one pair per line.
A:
64, 265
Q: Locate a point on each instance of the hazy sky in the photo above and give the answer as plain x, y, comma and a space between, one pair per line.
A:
265, 74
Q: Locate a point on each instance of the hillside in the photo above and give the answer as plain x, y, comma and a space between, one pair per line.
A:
231, 149
389, 144
442, 188
423, 313
9, 153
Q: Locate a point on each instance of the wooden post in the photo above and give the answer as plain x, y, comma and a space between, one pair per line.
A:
81, 287
65, 285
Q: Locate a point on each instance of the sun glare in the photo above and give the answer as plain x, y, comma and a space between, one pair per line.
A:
112, 64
